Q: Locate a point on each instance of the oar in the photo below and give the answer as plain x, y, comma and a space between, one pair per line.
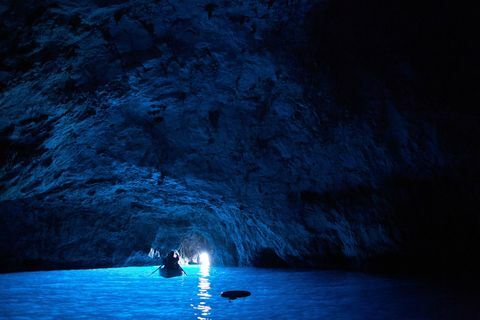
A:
155, 271
183, 271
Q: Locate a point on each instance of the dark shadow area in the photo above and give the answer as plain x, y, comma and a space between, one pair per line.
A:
436, 220
428, 46
439, 218
268, 258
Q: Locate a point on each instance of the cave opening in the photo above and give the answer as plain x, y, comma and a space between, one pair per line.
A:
195, 249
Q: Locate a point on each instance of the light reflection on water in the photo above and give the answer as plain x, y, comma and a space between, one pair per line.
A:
203, 286
276, 294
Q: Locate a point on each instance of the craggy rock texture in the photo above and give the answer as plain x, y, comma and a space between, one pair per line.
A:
268, 133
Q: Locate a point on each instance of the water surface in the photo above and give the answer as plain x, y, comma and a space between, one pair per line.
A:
276, 294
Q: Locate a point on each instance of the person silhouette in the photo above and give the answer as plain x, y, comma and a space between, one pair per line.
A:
171, 266
171, 260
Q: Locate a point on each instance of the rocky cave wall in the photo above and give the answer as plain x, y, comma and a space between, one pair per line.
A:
269, 133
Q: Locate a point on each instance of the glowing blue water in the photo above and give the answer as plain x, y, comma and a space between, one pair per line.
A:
276, 294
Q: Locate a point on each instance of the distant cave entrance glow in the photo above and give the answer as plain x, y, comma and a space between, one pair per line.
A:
204, 259
195, 249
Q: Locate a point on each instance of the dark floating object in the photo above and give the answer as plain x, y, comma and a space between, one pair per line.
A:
234, 294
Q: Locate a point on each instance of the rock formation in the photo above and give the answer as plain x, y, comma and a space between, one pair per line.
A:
269, 133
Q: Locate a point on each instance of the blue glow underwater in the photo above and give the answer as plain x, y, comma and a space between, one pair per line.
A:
276, 294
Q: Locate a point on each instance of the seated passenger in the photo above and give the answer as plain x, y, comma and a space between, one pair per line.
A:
171, 267
171, 261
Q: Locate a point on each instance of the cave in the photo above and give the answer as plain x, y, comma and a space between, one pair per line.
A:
269, 136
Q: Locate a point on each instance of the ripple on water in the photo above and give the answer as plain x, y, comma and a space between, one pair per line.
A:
276, 294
